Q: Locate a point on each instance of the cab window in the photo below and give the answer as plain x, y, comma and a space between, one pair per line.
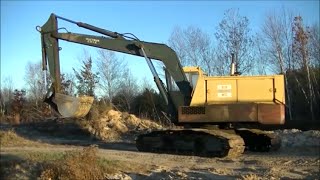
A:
192, 78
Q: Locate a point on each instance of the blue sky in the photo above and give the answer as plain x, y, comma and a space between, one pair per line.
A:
149, 20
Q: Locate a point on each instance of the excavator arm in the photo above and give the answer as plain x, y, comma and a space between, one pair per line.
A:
111, 41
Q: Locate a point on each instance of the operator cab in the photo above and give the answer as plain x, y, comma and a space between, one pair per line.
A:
192, 74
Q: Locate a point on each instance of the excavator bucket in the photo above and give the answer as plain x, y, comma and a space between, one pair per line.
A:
65, 105
70, 106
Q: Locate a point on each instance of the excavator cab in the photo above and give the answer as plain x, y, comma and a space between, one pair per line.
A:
65, 105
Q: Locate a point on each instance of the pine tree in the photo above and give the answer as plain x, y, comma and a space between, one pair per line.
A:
86, 79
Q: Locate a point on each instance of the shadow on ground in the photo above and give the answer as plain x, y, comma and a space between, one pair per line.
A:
14, 167
176, 174
65, 133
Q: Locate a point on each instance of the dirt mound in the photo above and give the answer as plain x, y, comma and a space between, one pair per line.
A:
112, 125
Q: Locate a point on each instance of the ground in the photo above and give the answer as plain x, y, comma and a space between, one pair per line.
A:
25, 151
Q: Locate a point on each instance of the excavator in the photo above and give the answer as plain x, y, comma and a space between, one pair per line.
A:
206, 109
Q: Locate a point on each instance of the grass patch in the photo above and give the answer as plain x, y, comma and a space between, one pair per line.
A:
10, 139
110, 166
37, 157
80, 165
73, 164
43, 157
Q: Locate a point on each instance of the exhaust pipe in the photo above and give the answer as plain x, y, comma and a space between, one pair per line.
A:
233, 66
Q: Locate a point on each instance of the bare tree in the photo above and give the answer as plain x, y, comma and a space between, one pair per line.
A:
302, 57
145, 83
233, 37
261, 61
314, 52
194, 47
128, 90
68, 84
37, 82
276, 47
314, 45
112, 72
6, 95
178, 44
277, 39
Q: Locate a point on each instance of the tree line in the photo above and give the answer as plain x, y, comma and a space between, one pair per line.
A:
283, 45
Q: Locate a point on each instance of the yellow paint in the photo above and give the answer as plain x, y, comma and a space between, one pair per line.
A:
236, 89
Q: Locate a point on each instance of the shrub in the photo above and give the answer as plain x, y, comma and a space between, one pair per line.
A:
80, 165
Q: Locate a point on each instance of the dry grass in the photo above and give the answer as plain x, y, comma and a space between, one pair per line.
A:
24, 165
10, 139
75, 164
251, 177
79, 165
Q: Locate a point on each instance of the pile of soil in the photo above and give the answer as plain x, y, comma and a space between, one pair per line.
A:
112, 125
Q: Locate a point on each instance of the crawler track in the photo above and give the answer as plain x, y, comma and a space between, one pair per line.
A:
259, 141
199, 142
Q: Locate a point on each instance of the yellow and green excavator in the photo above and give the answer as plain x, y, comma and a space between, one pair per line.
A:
208, 108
